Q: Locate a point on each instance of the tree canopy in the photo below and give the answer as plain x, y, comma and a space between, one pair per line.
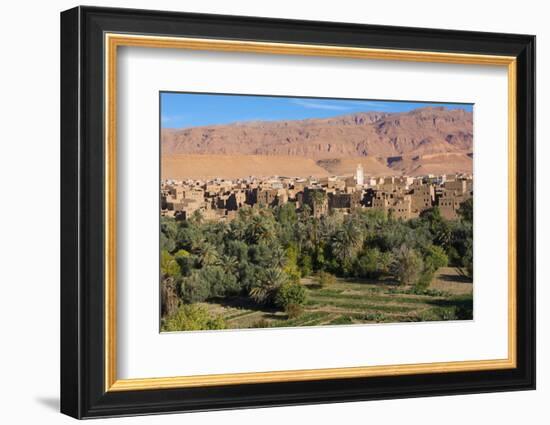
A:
264, 251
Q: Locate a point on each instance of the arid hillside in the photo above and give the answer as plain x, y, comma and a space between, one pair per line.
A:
423, 141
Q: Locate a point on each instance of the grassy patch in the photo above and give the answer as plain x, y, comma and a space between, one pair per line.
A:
342, 320
367, 298
361, 306
326, 292
416, 291
306, 319
349, 301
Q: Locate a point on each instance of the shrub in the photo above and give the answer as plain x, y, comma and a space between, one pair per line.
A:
291, 266
375, 317
458, 307
425, 279
294, 311
185, 261
462, 244
372, 263
181, 253
438, 314
262, 323
218, 281
325, 279
385, 261
436, 257
168, 234
192, 318
166, 244
305, 265
407, 266
194, 289
367, 264
168, 264
342, 320
439, 227
290, 293
419, 291
293, 274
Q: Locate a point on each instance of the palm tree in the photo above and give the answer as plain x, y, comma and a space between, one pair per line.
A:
195, 242
306, 212
228, 263
303, 235
259, 228
208, 254
347, 241
278, 256
318, 199
269, 282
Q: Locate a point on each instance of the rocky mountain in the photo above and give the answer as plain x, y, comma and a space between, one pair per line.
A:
422, 139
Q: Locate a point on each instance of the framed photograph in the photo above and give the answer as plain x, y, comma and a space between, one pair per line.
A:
261, 212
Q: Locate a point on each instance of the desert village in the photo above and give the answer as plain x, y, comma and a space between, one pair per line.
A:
403, 197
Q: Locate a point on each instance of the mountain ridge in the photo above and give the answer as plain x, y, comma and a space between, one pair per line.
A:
409, 139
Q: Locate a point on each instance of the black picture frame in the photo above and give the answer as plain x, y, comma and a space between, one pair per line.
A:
83, 392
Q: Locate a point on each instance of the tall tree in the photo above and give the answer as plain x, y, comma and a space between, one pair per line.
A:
407, 265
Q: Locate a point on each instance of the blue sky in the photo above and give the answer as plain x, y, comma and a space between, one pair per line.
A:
180, 110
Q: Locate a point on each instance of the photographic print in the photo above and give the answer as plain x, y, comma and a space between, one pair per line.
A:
284, 211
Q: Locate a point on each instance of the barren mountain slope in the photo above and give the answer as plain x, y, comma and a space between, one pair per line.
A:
372, 136
426, 130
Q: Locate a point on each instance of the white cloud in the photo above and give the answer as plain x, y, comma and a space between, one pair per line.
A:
337, 105
167, 119
372, 104
316, 104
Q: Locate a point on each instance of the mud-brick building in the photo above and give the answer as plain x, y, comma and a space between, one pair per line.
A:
449, 203
401, 207
394, 203
184, 208
422, 198
262, 197
178, 193
459, 187
454, 193
231, 201
344, 202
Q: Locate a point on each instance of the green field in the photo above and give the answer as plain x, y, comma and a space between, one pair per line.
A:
356, 301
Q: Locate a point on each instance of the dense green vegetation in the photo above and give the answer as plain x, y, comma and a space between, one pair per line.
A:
263, 253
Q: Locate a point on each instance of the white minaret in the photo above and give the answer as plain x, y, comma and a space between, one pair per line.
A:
359, 175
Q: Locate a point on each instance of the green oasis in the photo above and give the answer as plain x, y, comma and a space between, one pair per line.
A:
282, 266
